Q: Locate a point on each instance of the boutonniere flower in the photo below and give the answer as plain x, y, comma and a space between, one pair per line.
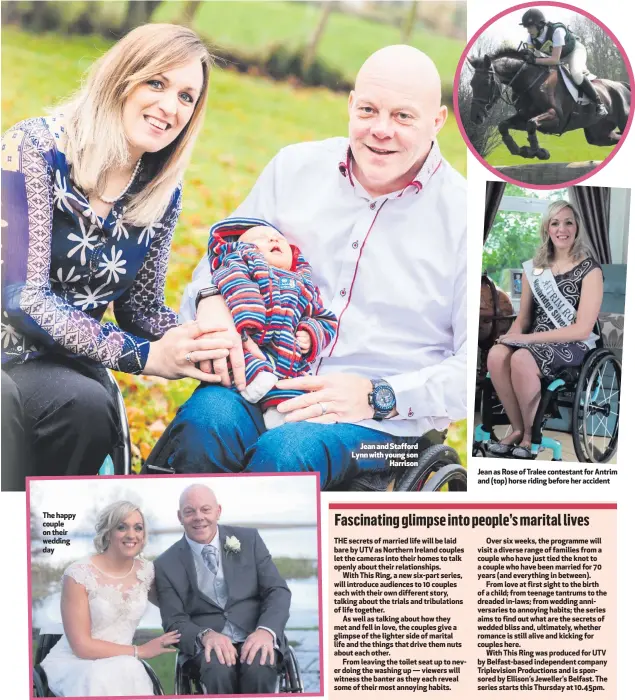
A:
232, 545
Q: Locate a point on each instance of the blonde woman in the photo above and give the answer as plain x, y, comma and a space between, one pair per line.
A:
560, 301
103, 598
91, 195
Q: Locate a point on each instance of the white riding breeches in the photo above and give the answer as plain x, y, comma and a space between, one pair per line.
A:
576, 61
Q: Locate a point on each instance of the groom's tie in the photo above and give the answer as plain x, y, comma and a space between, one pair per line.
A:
210, 557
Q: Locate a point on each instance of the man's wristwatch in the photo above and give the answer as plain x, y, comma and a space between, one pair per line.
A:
201, 634
207, 292
382, 399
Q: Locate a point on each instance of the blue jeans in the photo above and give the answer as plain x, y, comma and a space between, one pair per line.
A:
216, 430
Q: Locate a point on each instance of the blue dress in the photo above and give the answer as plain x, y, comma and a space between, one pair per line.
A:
63, 264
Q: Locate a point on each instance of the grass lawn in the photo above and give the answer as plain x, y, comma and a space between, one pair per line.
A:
346, 41
248, 120
568, 148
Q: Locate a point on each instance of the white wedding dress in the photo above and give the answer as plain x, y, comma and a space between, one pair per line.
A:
116, 605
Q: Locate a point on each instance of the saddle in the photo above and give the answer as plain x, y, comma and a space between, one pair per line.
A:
565, 74
575, 92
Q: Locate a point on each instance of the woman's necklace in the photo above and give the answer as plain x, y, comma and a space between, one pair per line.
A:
108, 200
556, 269
105, 573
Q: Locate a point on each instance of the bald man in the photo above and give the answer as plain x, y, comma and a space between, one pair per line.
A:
382, 219
219, 587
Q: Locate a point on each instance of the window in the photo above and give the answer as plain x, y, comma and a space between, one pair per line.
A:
515, 235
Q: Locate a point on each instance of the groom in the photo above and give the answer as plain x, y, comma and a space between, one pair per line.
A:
219, 587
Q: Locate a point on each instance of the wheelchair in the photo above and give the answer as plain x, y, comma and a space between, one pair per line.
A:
119, 460
438, 466
583, 401
46, 641
187, 679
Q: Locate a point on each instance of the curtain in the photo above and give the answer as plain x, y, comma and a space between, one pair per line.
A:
593, 203
493, 195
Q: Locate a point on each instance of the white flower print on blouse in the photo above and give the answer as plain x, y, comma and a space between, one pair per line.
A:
149, 232
70, 278
113, 267
9, 334
90, 299
61, 193
85, 241
119, 229
88, 212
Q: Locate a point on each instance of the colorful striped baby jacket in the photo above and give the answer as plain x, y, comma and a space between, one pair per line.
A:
269, 304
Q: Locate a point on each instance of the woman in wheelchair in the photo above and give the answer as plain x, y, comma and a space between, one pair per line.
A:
103, 599
90, 198
560, 301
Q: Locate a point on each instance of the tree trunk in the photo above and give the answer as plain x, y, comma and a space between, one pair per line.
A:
314, 41
138, 12
188, 12
409, 21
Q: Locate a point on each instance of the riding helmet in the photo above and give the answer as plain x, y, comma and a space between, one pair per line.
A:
534, 17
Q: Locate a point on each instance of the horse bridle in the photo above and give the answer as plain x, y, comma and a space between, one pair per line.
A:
503, 90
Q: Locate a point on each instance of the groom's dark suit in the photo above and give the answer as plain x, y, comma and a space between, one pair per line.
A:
257, 595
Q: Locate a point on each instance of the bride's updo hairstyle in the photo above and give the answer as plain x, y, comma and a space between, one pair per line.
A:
109, 518
579, 249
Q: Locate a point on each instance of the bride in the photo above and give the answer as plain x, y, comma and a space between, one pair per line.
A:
103, 598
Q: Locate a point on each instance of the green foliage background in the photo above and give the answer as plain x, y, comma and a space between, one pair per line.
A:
248, 120
571, 147
514, 237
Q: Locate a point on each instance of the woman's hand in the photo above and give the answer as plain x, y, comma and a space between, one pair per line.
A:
212, 312
525, 338
159, 645
175, 355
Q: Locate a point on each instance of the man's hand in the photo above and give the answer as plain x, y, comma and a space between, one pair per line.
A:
333, 398
259, 640
222, 646
304, 341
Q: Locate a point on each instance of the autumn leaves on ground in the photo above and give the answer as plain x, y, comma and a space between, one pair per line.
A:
248, 120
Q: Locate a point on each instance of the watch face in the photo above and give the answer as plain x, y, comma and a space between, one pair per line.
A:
384, 398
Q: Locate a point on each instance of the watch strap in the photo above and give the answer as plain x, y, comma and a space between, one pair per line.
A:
380, 414
211, 291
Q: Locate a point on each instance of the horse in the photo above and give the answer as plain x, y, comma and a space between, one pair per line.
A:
543, 102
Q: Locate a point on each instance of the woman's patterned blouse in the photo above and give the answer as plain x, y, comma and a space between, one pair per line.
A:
63, 264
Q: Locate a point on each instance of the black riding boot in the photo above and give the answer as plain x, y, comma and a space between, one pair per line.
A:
589, 90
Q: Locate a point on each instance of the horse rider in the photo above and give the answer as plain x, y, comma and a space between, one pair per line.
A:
562, 46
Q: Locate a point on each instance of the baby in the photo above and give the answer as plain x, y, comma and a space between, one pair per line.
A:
268, 287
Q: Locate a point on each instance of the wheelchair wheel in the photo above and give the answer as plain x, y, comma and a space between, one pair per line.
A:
596, 408
187, 679
431, 461
289, 680
452, 475
40, 684
478, 450
156, 683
